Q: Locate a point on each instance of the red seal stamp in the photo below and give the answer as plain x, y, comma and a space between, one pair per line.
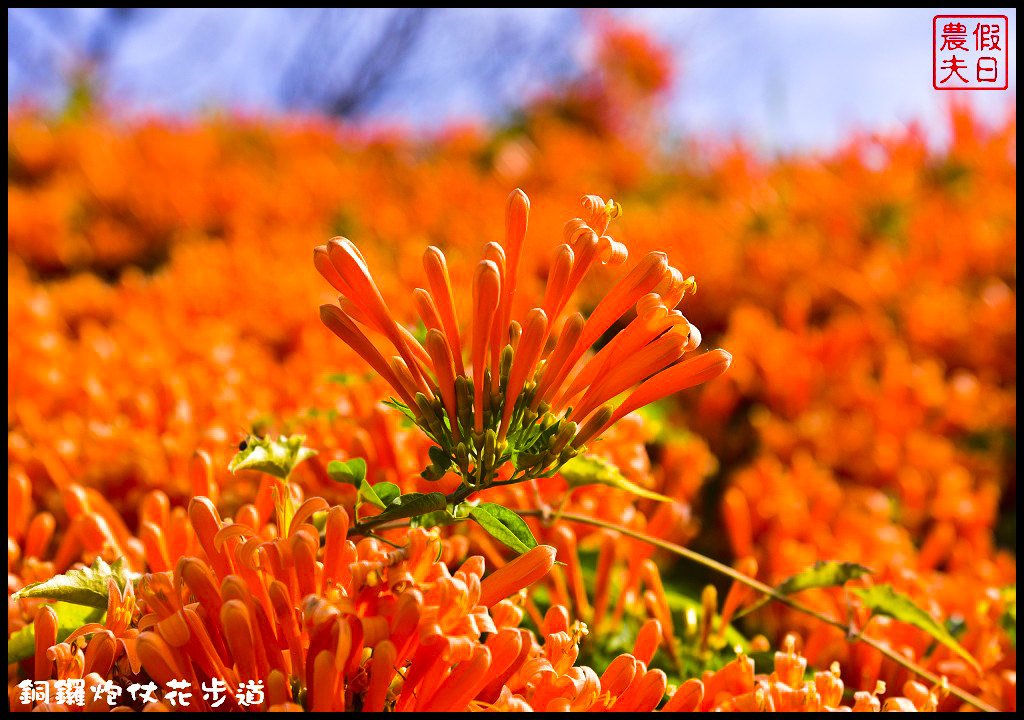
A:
970, 52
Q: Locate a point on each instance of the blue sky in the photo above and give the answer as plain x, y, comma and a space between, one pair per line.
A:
781, 79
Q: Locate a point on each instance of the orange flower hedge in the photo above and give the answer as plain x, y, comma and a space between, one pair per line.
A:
162, 305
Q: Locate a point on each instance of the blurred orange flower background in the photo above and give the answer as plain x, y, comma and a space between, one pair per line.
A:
162, 306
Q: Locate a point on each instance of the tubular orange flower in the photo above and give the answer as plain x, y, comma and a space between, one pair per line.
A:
342, 326
555, 294
513, 407
120, 612
678, 377
647, 640
687, 698
441, 286
441, 357
643, 694
486, 286
350, 265
517, 215
100, 652
513, 577
463, 684
45, 637
619, 674
530, 347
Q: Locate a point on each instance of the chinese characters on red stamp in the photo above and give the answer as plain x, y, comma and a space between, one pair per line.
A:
970, 52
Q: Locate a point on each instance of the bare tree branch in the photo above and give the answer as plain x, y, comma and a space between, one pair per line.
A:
344, 66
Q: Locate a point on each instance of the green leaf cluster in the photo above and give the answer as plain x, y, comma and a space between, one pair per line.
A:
351, 471
87, 586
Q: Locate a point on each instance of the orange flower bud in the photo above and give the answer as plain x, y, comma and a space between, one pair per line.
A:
45, 638
556, 619
738, 592
155, 544
687, 698
341, 325
278, 691
555, 363
619, 675
19, 503
525, 361
441, 290
39, 534
676, 378
647, 640
643, 695
157, 658
202, 583
555, 294
382, 670
201, 475
234, 618
429, 655
441, 357
206, 522
486, 287
516, 575
462, 685
99, 654
517, 215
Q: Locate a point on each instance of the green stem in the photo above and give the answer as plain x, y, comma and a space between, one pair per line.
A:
364, 527
384, 540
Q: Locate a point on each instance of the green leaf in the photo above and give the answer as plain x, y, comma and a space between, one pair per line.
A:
87, 586
402, 408
350, 471
590, 470
505, 526
822, 574
274, 457
439, 457
413, 504
70, 617
884, 600
379, 495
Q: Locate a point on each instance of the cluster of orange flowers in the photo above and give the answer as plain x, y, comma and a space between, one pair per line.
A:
369, 628
517, 404
161, 304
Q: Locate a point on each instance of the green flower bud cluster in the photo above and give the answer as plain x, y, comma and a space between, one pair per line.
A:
536, 443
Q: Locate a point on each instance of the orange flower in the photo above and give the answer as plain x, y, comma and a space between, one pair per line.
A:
118, 625
514, 407
516, 575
